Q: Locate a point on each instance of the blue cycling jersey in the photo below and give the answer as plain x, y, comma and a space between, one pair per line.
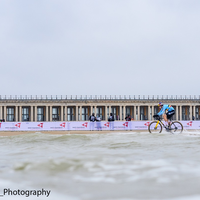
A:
165, 108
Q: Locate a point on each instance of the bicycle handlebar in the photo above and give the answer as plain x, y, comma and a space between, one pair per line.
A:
157, 117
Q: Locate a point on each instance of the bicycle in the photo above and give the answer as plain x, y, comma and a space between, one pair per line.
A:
157, 125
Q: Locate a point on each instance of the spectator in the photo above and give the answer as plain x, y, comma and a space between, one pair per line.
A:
98, 122
111, 118
92, 119
128, 118
98, 119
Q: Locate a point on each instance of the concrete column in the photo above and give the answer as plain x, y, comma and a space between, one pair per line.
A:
4, 113
180, 113
149, 117
139, 113
120, 113
109, 110
194, 114
50, 113
106, 116
0, 112
190, 112
65, 113
16, 113
61, 113
152, 111
20, 113
134, 113
31, 113
91, 110
76, 113
95, 110
47, 114
35, 113
80, 119
176, 112
124, 111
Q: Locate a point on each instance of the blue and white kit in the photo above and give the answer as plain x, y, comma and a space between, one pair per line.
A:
167, 108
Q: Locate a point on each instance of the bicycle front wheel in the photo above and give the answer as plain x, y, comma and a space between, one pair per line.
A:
176, 127
155, 127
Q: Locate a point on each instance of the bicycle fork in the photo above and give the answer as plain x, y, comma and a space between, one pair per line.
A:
157, 124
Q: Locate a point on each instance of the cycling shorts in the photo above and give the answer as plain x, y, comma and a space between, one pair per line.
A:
170, 114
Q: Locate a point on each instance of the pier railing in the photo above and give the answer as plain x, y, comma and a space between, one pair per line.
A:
100, 97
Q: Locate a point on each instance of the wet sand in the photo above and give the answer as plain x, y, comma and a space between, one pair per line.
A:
12, 133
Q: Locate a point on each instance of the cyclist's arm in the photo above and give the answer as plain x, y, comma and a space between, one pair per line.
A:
162, 109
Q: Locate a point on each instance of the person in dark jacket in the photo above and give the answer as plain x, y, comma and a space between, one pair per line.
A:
92, 119
111, 119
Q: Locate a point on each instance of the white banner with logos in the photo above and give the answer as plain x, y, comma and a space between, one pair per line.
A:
85, 126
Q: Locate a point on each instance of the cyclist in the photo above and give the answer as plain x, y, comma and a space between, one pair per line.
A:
167, 111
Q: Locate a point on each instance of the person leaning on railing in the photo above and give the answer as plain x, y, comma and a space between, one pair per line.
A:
92, 118
128, 118
98, 122
111, 118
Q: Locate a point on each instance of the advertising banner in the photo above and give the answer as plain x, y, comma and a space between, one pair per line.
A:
85, 126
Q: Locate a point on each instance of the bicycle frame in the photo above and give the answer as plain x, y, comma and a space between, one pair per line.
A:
174, 125
159, 121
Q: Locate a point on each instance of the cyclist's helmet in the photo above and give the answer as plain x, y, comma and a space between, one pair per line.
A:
160, 104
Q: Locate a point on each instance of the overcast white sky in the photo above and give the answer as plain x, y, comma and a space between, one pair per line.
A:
94, 47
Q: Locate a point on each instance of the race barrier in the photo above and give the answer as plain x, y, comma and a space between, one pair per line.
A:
85, 126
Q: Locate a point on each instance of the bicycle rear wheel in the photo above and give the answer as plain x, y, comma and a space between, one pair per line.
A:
176, 127
155, 127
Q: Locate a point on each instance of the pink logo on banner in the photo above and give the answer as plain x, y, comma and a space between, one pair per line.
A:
63, 124
18, 125
147, 124
125, 124
107, 124
0, 125
189, 123
85, 124
40, 125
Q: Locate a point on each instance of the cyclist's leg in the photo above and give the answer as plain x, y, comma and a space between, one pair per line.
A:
165, 118
169, 115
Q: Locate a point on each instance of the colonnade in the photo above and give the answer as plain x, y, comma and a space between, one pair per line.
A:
63, 111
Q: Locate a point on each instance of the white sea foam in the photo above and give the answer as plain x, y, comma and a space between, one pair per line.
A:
120, 165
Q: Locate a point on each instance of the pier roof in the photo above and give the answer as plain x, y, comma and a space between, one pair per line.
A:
99, 98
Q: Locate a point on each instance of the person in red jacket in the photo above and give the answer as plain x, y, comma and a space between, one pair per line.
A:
128, 118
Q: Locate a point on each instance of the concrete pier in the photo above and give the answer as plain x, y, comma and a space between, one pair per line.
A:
79, 108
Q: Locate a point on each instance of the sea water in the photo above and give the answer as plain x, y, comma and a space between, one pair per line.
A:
116, 165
